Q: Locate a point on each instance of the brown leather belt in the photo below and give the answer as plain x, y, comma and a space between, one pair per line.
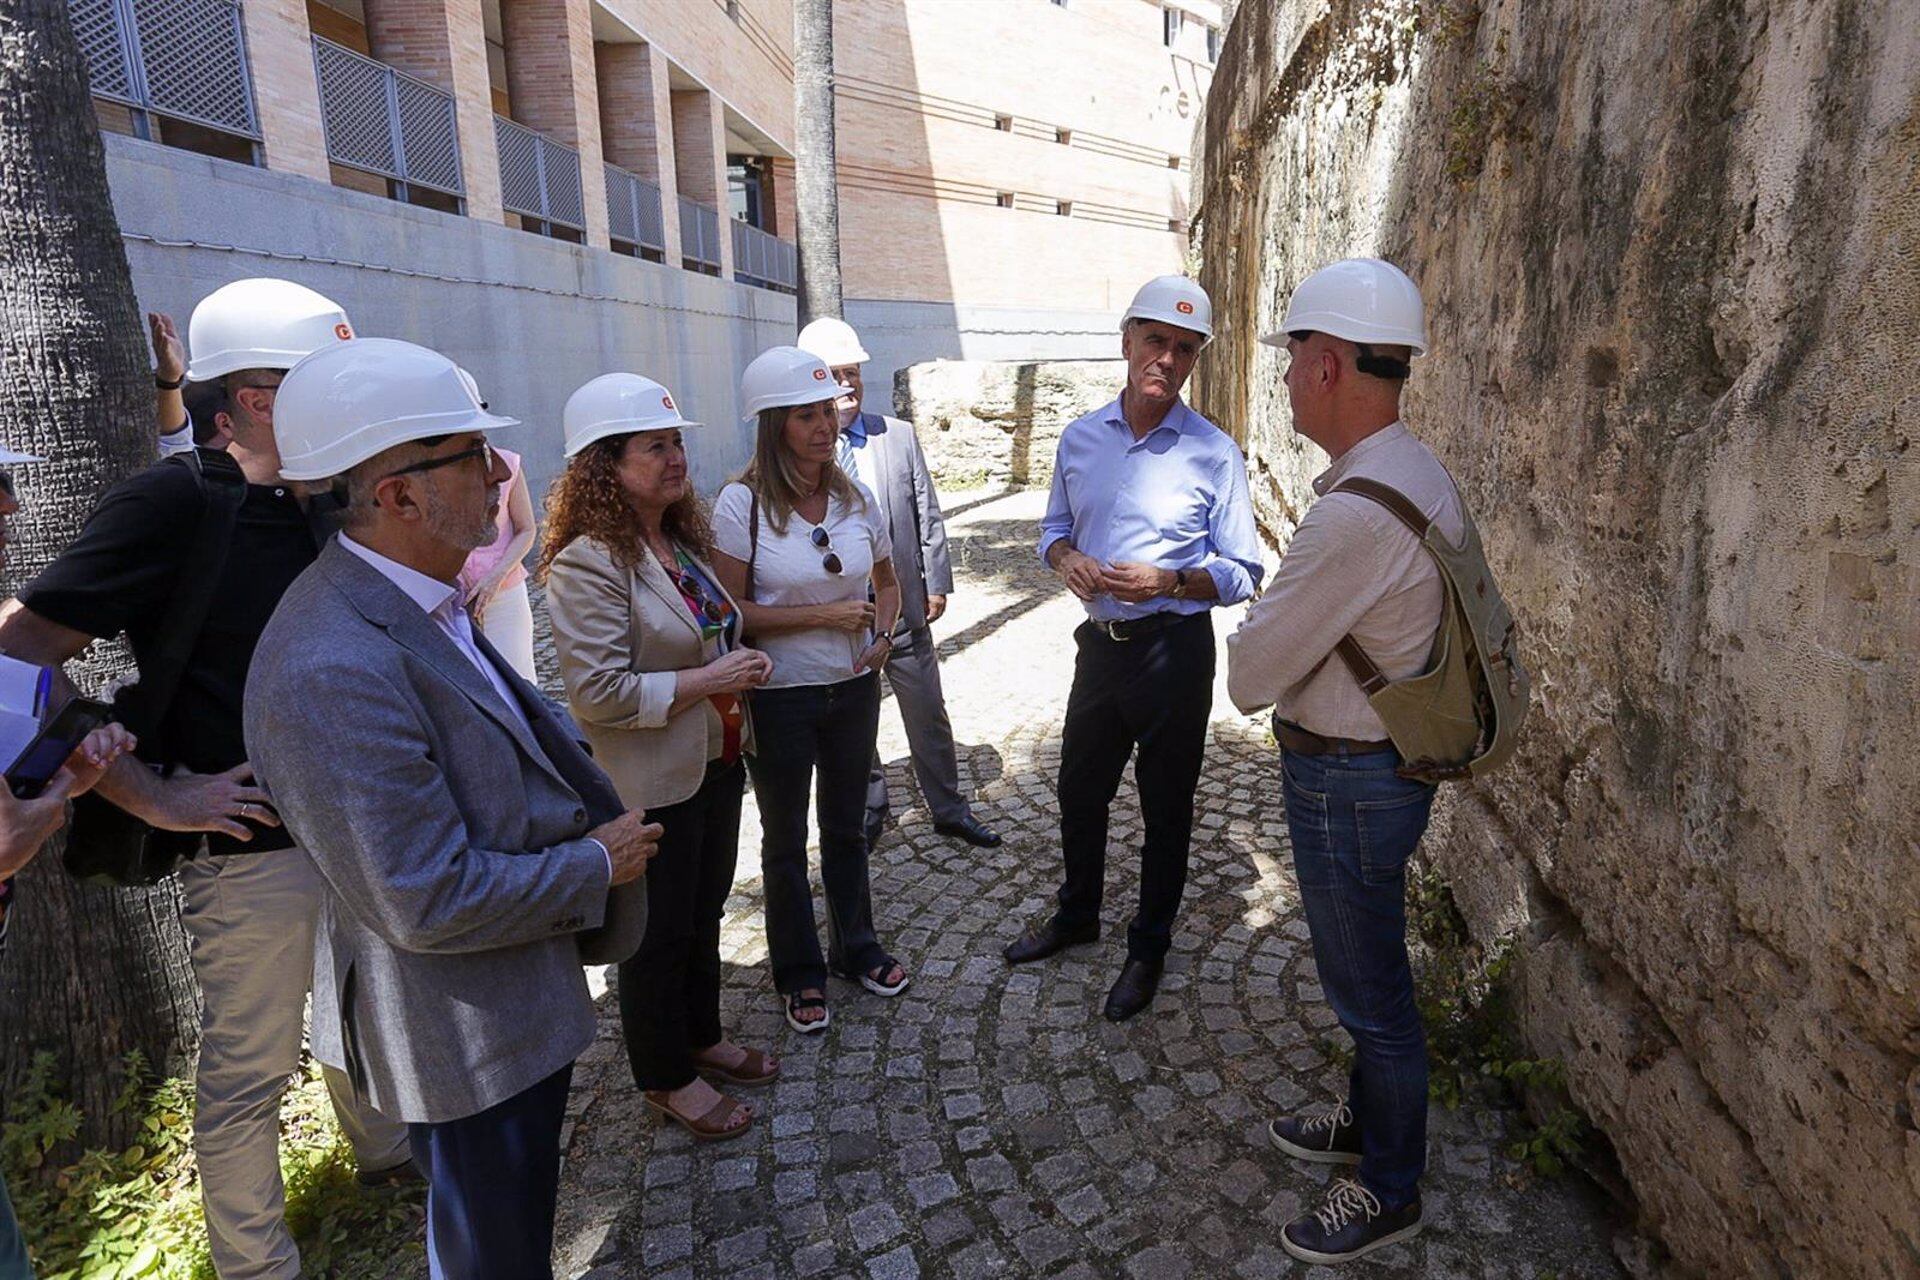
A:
1305, 742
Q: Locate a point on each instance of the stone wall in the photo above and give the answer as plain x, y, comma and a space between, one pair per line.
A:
1671, 253
997, 422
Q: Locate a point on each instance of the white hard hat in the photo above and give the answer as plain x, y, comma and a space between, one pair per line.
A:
834, 341
1175, 300
1361, 300
618, 404
781, 376
347, 402
260, 324
10, 456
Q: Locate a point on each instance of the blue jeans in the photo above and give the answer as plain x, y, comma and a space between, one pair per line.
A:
13, 1249
1354, 823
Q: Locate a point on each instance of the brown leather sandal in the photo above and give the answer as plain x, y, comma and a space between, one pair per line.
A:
708, 1127
754, 1069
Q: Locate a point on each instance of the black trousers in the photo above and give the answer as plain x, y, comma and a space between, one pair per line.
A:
670, 988
1154, 692
816, 739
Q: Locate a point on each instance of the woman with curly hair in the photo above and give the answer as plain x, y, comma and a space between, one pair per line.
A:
655, 671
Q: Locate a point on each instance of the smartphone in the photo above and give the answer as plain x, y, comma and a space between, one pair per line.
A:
28, 776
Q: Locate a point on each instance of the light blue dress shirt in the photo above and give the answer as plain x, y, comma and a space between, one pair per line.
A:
1176, 499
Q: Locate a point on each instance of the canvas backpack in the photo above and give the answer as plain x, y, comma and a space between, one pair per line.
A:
1459, 718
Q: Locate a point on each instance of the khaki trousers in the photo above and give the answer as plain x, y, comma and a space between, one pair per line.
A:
250, 918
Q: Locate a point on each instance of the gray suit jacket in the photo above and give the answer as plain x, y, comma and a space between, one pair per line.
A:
461, 897
912, 511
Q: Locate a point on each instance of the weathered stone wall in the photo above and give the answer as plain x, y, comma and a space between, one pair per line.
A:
1671, 253
997, 422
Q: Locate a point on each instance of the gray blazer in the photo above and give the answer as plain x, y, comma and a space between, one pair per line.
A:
912, 511
461, 897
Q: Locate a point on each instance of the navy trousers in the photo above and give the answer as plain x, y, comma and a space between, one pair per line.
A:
492, 1182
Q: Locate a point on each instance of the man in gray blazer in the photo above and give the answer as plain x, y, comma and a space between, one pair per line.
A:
473, 855
883, 454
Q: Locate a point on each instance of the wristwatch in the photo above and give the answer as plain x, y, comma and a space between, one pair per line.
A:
164, 385
1179, 584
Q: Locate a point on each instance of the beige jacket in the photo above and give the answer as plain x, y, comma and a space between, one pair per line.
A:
622, 634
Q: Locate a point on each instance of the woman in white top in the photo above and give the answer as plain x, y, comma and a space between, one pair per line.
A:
798, 544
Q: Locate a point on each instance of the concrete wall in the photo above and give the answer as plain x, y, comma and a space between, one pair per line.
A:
1668, 251
531, 318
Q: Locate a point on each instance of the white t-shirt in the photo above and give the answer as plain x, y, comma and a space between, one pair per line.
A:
790, 570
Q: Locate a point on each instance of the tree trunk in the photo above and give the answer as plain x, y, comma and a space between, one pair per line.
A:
815, 182
89, 973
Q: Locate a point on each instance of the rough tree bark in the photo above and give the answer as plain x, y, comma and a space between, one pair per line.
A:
815, 193
89, 973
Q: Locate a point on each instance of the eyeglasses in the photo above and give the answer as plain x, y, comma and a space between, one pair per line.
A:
824, 541
696, 593
481, 450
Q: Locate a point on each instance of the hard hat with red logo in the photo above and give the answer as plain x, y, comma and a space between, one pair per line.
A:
785, 376
260, 323
1174, 300
618, 404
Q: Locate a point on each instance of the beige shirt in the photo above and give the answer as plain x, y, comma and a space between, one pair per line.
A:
1351, 567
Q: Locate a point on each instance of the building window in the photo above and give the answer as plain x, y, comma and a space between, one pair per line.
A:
1214, 36
1063, 207
1172, 21
747, 186
1004, 199
1063, 136
1003, 123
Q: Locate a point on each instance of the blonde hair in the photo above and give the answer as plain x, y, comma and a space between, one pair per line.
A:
771, 474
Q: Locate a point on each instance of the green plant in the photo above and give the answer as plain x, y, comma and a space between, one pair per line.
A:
1464, 993
117, 1215
1488, 111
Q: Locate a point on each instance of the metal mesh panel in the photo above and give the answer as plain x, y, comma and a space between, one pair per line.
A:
699, 233
519, 167
561, 169
428, 135
619, 204
650, 226
354, 108
96, 26
194, 61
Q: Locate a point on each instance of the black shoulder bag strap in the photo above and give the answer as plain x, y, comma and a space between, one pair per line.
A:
107, 844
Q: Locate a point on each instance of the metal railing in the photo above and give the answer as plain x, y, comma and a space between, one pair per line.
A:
186, 59
384, 122
699, 234
764, 259
539, 178
633, 210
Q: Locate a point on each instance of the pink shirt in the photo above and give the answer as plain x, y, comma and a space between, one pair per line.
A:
485, 559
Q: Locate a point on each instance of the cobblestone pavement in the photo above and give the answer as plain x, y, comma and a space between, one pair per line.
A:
989, 1121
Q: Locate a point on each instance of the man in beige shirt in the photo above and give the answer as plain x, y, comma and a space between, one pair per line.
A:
1353, 569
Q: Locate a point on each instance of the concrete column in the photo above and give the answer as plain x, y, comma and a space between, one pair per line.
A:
286, 95
550, 77
700, 159
636, 125
444, 43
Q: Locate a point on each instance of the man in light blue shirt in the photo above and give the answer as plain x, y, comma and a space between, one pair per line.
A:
1150, 525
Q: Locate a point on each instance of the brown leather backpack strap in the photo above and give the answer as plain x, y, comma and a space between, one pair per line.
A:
1365, 670
1389, 497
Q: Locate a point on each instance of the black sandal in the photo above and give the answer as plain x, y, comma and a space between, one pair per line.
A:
796, 1002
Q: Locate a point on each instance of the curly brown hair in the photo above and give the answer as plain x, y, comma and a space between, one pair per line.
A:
586, 501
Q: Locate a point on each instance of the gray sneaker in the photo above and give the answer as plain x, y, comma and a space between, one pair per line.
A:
1331, 1138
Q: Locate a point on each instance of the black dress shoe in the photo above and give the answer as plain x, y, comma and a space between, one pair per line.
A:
1133, 989
970, 830
1042, 940
404, 1174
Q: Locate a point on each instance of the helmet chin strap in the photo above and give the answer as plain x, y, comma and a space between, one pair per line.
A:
1381, 366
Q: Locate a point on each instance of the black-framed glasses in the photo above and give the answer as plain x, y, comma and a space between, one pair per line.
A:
695, 592
481, 450
824, 541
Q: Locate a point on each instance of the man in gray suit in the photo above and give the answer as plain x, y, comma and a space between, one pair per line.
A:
473, 855
884, 455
